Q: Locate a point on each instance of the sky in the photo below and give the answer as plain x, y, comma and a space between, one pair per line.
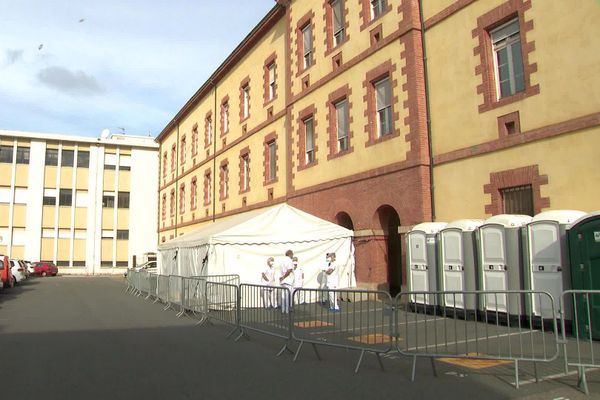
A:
80, 66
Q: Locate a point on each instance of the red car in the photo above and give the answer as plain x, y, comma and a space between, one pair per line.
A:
44, 268
5, 274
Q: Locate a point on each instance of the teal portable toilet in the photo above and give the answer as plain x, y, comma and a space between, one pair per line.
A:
584, 252
422, 262
458, 262
547, 267
501, 262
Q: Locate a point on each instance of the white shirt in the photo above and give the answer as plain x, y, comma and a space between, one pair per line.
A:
332, 279
269, 272
286, 265
298, 277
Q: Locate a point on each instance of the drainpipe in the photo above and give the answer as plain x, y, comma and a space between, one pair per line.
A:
177, 180
214, 128
427, 110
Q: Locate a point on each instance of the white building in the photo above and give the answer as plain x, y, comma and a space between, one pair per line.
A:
89, 205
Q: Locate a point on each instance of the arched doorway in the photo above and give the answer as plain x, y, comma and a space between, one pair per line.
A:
344, 220
390, 222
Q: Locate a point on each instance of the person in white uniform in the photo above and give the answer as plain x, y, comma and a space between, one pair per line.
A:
286, 279
298, 280
331, 273
268, 278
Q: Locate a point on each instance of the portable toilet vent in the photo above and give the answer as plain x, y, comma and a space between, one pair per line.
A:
422, 261
500, 261
547, 268
458, 262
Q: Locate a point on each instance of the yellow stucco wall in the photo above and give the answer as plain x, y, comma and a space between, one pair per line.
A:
50, 177
64, 217
3, 250
80, 218
79, 250
82, 178
122, 250
47, 252
48, 216
567, 61
431, 8
66, 177
108, 218
124, 181
109, 180
4, 213
459, 185
107, 248
18, 252
22, 175
5, 173
122, 219
19, 215
63, 250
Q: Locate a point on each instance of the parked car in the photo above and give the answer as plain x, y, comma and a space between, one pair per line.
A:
149, 266
5, 274
45, 268
29, 266
17, 269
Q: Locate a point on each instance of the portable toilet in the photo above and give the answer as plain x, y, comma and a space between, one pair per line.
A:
458, 262
422, 261
547, 268
584, 252
500, 261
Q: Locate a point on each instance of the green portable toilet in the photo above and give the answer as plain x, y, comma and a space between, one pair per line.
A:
584, 253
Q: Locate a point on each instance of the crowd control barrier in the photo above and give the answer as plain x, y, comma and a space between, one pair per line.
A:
580, 349
267, 310
345, 318
483, 333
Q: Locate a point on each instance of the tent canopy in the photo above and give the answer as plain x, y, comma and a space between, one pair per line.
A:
277, 224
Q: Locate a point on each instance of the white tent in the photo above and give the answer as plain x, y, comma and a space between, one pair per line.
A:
241, 244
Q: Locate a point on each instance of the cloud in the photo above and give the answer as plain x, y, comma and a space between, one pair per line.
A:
12, 56
64, 80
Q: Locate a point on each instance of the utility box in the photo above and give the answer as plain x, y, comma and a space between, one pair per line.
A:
458, 263
584, 252
422, 262
547, 267
500, 262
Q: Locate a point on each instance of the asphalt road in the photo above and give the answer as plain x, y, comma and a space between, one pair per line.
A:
84, 338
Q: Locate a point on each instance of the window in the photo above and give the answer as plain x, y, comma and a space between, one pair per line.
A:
182, 149
21, 195
108, 234
48, 233
68, 158
341, 122
309, 140
51, 157
81, 199
165, 164
65, 197
173, 157
272, 160
122, 234
182, 198
22, 155
245, 172
377, 8
207, 188
224, 181
49, 197
339, 32
518, 200
108, 200
508, 58
164, 206
307, 50
209, 131
225, 115
271, 80
110, 161
83, 159
245, 101
123, 200
195, 140
125, 163
6, 154
172, 203
5, 194
383, 102
194, 194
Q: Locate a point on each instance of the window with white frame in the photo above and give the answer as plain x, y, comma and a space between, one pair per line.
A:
209, 130
225, 111
309, 140
48, 233
341, 119
21, 195
208, 188
508, 58
272, 161
307, 50
125, 163
182, 199
383, 102
81, 199
271, 81
339, 29
245, 101
245, 172
225, 180
194, 194
377, 8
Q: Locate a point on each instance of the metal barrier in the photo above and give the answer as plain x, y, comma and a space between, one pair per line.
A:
221, 302
143, 283
434, 331
152, 286
175, 293
129, 281
580, 352
363, 321
162, 290
194, 297
230, 279
267, 310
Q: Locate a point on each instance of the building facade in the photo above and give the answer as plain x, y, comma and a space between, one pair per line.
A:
86, 204
379, 115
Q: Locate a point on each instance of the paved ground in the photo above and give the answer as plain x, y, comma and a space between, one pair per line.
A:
83, 338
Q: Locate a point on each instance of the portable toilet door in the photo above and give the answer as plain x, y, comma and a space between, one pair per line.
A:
500, 261
547, 268
422, 261
457, 263
584, 252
